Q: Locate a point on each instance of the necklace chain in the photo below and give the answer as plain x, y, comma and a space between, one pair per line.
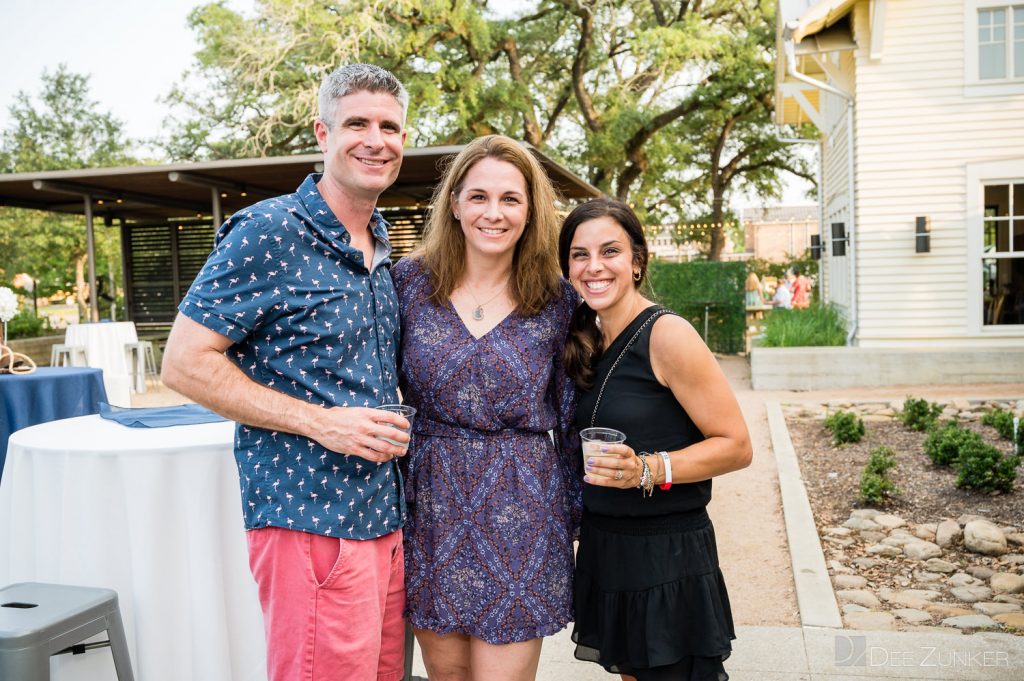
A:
478, 311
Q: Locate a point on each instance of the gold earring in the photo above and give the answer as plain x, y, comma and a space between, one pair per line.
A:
637, 275
457, 217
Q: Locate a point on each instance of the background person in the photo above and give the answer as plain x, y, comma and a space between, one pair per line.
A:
753, 294
650, 600
801, 288
493, 500
291, 329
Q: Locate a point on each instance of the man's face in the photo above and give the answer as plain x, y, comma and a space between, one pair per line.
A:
363, 150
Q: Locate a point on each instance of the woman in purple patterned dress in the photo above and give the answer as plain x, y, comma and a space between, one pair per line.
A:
493, 476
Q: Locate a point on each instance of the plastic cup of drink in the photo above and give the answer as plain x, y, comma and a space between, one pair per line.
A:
595, 438
404, 411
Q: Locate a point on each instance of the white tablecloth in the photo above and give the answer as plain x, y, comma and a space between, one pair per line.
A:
153, 513
104, 345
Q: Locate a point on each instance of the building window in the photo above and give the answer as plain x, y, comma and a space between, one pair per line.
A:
1001, 42
1002, 264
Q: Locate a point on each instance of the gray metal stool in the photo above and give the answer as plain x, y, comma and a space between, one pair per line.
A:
40, 620
142, 362
62, 355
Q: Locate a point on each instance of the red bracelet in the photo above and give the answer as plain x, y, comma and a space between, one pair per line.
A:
667, 485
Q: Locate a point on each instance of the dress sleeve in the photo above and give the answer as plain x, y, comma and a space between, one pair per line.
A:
566, 435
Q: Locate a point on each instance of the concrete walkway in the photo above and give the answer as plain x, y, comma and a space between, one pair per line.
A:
754, 548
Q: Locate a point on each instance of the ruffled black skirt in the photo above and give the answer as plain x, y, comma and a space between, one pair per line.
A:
649, 597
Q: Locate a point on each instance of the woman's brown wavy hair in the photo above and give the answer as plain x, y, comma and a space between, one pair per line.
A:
583, 346
535, 273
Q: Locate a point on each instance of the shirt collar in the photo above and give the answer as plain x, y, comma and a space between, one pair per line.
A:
324, 217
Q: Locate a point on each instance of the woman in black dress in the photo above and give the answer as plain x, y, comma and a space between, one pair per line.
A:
650, 600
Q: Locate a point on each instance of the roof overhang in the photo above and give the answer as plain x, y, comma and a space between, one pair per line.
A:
185, 190
806, 32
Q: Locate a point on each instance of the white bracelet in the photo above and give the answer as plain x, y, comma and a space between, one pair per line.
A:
668, 471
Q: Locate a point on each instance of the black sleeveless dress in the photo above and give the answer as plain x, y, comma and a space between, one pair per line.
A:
649, 597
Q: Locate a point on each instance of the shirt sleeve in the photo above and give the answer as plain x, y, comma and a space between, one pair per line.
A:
235, 288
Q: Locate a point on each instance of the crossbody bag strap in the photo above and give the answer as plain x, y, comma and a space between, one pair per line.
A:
629, 344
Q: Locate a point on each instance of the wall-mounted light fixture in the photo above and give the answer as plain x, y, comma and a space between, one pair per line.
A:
922, 234
816, 247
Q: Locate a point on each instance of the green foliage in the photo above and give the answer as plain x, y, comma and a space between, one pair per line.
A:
61, 128
689, 288
818, 325
920, 414
846, 427
26, 324
944, 446
668, 107
983, 467
875, 485
1002, 421
881, 461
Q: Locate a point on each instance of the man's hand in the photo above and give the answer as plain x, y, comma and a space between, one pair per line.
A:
362, 432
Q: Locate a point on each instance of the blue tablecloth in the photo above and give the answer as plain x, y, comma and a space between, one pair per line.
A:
48, 394
159, 417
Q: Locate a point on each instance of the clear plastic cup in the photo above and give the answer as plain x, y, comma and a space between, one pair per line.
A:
594, 438
404, 411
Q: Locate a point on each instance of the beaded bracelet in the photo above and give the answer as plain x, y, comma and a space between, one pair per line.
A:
646, 479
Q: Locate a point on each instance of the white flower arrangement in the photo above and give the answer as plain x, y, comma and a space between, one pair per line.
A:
8, 304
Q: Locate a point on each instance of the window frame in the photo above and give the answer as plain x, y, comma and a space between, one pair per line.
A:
980, 175
974, 85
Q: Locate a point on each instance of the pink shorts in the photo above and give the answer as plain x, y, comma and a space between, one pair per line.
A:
332, 608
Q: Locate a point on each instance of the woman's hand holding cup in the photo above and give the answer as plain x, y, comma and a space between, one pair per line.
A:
607, 460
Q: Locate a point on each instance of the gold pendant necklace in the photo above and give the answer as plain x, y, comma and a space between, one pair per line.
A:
478, 312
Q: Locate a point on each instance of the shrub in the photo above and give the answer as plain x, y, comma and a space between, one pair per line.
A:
1002, 421
875, 485
696, 289
818, 325
26, 324
845, 426
919, 414
983, 467
943, 446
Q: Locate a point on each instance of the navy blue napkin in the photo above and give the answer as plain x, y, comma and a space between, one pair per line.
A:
159, 417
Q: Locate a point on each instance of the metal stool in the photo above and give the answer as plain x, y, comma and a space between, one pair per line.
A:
62, 355
142, 362
40, 620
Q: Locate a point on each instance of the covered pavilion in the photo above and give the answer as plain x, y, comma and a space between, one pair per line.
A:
168, 214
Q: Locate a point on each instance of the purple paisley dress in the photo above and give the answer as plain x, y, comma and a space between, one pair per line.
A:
493, 477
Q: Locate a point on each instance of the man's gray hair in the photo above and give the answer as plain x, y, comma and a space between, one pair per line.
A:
358, 78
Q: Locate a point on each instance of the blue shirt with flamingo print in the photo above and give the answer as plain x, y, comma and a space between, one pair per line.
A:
309, 318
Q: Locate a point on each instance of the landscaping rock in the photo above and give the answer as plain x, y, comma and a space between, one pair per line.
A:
889, 522
921, 550
860, 597
871, 621
969, 517
884, 550
944, 610
1009, 598
939, 565
839, 531
1017, 538
840, 541
839, 568
926, 577
861, 523
912, 615
867, 563
853, 607
980, 572
864, 513
1014, 620
1013, 558
948, 533
900, 540
992, 609
971, 622
1003, 582
872, 536
963, 579
849, 582
927, 532
981, 536
971, 594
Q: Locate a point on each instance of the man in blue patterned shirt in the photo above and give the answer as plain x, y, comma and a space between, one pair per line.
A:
291, 329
